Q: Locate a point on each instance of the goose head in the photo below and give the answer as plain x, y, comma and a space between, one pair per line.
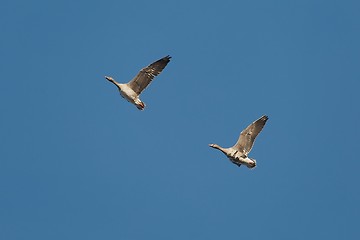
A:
213, 145
109, 79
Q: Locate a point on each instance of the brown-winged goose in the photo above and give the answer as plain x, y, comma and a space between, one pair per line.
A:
132, 90
238, 154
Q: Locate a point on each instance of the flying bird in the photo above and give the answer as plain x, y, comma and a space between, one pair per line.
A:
131, 91
238, 154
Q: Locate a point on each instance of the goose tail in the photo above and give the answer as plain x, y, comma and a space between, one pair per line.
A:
141, 105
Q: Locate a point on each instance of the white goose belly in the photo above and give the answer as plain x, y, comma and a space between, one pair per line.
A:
127, 93
239, 158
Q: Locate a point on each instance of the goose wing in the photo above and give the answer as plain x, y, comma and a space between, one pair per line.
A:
248, 135
147, 74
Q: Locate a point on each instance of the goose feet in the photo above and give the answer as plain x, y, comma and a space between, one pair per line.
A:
140, 105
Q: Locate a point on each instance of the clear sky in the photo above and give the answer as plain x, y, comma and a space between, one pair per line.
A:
79, 162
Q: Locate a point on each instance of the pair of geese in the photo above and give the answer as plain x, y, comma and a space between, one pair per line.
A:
238, 154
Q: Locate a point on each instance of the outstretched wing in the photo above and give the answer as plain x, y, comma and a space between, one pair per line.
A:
248, 135
147, 74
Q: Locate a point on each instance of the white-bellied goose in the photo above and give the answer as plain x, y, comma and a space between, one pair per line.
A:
132, 90
238, 154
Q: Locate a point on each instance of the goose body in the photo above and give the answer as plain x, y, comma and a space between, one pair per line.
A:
131, 91
238, 154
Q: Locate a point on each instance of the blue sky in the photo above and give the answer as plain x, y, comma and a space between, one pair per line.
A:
79, 162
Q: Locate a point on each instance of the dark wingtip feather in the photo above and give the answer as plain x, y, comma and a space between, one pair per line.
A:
168, 57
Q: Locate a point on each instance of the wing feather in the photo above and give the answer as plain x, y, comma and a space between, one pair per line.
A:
147, 74
248, 135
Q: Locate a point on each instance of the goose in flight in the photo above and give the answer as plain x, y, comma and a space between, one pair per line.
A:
238, 154
132, 90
